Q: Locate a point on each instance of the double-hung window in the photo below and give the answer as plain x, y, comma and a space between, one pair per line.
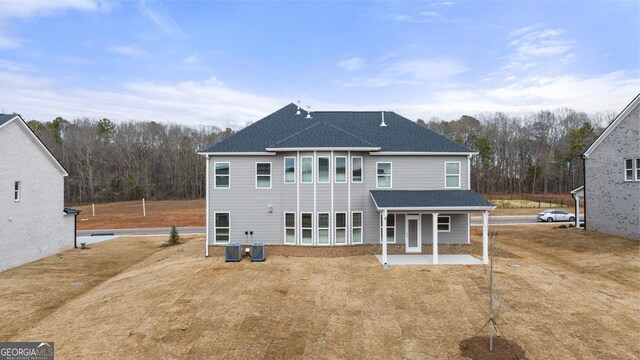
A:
452, 175
341, 169
306, 172
356, 227
307, 229
444, 223
356, 169
384, 175
631, 169
341, 228
391, 228
16, 191
323, 169
323, 229
289, 170
222, 172
263, 175
222, 227
289, 228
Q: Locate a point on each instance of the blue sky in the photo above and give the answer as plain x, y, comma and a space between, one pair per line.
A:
228, 63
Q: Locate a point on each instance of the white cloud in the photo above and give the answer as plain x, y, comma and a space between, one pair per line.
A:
191, 60
161, 18
534, 42
128, 50
9, 42
352, 64
27, 8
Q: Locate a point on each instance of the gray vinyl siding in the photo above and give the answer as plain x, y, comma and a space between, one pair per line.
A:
248, 206
613, 204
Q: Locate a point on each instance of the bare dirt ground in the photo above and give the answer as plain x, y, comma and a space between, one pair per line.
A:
576, 295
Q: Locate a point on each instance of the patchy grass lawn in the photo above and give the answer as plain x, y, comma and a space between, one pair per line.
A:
574, 296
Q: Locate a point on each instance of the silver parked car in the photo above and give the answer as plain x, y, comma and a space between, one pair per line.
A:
555, 215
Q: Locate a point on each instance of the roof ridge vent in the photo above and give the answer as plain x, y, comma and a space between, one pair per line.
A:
308, 112
298, 112
383, 124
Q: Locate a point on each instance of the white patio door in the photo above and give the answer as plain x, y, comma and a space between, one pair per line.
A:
412, 235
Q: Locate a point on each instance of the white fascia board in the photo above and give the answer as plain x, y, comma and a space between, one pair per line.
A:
415, 153
612, 126
326, 149
579, 189
237, 153
39, 143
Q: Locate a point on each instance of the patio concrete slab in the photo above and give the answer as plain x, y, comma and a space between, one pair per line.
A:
419, 259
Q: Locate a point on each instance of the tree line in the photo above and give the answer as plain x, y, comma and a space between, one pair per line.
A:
107, 161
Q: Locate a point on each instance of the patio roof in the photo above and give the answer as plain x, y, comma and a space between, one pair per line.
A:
430, 200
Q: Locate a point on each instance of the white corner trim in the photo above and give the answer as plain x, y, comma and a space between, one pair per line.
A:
625, 112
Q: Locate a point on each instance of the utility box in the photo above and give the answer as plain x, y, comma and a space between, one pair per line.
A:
233, 252
257, 252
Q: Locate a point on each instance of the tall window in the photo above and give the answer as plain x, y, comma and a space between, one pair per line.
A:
356, 169
263, 175
452, 174
307, 228
307, 169
384, 175
632, 172
289, 170
222, 227
356, 227
221, 170
444, 223
289, 228
341, 169
323, 228
16, 191
391, 228
341, 228
323, 169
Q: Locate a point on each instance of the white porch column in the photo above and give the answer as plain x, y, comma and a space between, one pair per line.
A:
577, 199
485, 237
434, 225
384, 239
206, 246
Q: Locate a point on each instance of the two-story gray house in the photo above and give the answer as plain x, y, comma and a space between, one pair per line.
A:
340, 179
612, 176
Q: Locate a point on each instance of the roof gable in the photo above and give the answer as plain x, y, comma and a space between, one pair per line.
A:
322, 135
609, 129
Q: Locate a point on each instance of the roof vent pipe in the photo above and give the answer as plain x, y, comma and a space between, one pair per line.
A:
298, 112
383, 124
308, 112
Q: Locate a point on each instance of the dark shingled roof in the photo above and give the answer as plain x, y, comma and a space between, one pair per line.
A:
6, 117
428, 198
285, 129
71, 211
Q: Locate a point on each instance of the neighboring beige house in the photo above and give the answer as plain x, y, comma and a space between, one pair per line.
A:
33, 221
612, 176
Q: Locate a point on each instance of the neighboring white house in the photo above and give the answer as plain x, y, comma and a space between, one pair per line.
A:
612, 176
33, 221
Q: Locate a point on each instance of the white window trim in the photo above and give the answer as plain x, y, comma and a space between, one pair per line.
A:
286, 228
357, 227
636, 162
17, 194
394, 227
284, 171
350, 175
215, 175
449, 223
459, 175
302, 172
318, 228
328, 170
303, 228
215, 227
270, 175
390, 175
335, 167
335, 228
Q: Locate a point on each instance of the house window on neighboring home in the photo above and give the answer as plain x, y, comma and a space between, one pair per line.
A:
341, 169
323, 169
221, 227
263, 175
307, 169
391, 228
307, 229
341, 228
631, 172
444, 223
356, 227
222, 172
452, 174
16, 191
356, 169
289, 228
290, 170
637, 169
384, 175
323, 228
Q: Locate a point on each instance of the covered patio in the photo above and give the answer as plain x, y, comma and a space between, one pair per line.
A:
433, 203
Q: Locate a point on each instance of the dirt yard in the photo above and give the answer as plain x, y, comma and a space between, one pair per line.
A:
576, 295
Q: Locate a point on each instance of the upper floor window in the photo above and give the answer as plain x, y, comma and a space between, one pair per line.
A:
306, 169
452, 174
323, 169
263, 175
632, 169
289, 170
384, 175
16, 191
356, 169
221, 170
341, 169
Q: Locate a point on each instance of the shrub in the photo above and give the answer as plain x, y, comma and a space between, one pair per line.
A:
174, 238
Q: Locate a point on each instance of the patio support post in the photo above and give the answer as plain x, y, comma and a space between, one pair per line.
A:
384, 239
434, 222
577, 198
485, 237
